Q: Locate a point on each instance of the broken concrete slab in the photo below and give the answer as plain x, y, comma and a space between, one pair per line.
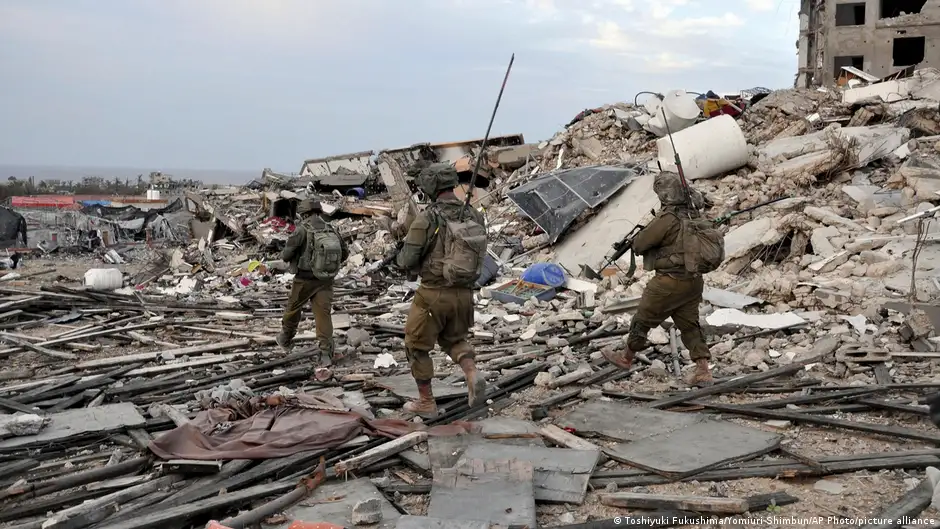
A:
729, 299
561, 475
446, 451
71, 423
506, 426
403, 386
499, 492
592, 242
424, 522
759, 232
699, 447
616, 420
334, 503
734, 317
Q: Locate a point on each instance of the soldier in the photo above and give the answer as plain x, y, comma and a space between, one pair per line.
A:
673, 291
315, 252
447, 252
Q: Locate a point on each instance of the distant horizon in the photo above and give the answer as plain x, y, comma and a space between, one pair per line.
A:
77, 172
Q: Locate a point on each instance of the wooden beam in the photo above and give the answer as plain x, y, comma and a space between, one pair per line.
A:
636, 500
822, 349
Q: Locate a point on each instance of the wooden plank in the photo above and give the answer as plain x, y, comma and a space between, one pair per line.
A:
12, 470
704, 504
14, 406
144, 357
791, 469
891, 431
85, 420
381, 452
485, 490
821, 349
26, 344
568, 440
906, 507
167, 517
198, 362
42, 391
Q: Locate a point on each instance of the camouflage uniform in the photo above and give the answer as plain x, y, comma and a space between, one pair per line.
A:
440, 313
306, 287
673, 291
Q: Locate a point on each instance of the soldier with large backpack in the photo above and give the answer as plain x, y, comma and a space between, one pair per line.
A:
315, 252
445, 245
680, 246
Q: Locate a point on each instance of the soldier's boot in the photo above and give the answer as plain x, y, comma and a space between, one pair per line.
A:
702, 376
328, 355
622, 359
425, 407
285, 340
476, 384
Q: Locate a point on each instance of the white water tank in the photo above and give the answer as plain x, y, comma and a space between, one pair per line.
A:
104, 279
707, 149
680, 109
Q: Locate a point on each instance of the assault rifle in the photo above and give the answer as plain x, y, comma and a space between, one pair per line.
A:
387, 260
624, 245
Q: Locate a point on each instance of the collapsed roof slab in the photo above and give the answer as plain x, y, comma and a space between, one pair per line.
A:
555, 200
592, 242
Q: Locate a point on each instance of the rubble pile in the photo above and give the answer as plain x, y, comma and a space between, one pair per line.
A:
156, 397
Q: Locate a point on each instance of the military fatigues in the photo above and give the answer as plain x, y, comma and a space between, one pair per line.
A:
673, 292
306, 288
440, 313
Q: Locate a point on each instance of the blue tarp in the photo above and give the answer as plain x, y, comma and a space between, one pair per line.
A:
96, 202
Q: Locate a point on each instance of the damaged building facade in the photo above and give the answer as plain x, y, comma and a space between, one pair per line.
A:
878, 37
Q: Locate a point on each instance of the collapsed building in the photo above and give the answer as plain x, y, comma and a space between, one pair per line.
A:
158, 398
868, 39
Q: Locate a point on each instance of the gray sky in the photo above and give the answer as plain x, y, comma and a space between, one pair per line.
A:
241, 84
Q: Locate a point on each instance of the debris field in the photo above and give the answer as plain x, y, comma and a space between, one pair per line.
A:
140, 385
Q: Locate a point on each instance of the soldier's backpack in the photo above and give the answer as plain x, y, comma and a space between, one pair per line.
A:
703, 245
464, 244
323, 253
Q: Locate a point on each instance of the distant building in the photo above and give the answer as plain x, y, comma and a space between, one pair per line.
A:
877, 37
160, 180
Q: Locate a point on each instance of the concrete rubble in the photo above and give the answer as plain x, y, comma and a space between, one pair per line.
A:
821, 324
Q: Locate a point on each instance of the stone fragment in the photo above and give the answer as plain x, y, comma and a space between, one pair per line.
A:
367, 512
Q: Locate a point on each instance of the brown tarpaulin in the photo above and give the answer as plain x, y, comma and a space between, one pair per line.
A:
279, 431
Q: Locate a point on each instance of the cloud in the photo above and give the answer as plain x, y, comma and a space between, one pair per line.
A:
760, 5
611, 37
709, 25
252, 83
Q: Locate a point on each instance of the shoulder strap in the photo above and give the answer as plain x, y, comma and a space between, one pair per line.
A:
436, 221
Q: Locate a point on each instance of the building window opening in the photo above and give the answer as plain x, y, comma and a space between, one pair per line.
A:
909, 51
850, 14
855, 61
896, 8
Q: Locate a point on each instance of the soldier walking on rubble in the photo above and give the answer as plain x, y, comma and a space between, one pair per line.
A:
447, 251
315, 252
673, 291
